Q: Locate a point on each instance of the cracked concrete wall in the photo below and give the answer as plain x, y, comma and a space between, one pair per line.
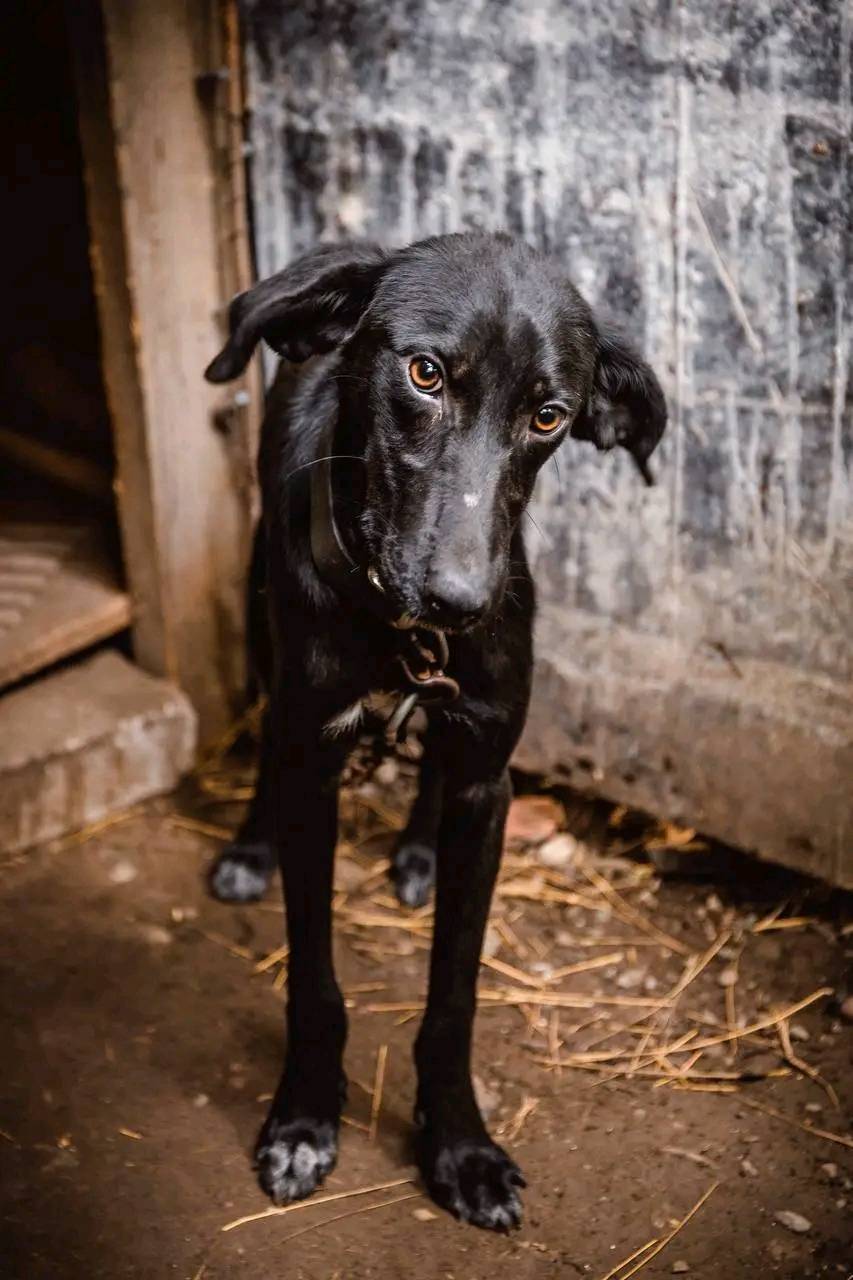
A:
690, 165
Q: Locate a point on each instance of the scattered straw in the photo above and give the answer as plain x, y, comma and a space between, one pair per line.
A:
276, 1211
627, 1261
509, 971
234, 948
352, 1213
840, 1138
275, 957
653, 1248
790, 922
629, 913
513, 1127
584, 966
804, 1068
94, 829
185, 823
762, 1024
378, 1085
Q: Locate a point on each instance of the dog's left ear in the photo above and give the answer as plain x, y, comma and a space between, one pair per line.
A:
311, 306
626, 405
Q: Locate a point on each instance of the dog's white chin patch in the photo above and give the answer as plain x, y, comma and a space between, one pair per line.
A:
345, 721
471, 499
348, 720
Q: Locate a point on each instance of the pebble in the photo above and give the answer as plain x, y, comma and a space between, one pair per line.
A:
155, 934
628, 979
792, 1221
748, 1168
728, 977
559, 851
532, 820
123, 872
200, 1100
814, 1108
846, 1009
799, 1033
680, 1267
387, 772
424, 1215
830, 1169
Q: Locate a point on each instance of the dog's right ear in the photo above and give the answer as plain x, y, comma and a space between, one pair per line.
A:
311, 306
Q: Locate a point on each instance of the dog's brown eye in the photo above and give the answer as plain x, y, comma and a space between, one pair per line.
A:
425, 374
549, 418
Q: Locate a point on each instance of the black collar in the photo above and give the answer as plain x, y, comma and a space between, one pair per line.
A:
422, 651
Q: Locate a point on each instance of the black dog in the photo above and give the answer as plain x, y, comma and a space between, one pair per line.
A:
395, 469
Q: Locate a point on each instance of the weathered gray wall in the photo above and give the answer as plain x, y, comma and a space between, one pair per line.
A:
689, 163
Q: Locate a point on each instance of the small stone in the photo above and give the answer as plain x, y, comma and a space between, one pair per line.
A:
728, 977
123, 872
799, 1033
846, 1009
155, 934
424, 1215
713, 903
487, 1098
814, 1108
532, 820
792, 1221
680, 1267
559, 852
179, 914
200, 1100
748, 1168
387, 772
628, 979
650, 983
830, 1169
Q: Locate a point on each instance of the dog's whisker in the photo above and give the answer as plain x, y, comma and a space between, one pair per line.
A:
329, 457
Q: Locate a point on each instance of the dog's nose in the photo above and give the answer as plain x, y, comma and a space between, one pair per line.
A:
454, 599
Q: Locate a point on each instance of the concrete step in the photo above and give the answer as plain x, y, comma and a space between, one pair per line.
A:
760, 756
87, 741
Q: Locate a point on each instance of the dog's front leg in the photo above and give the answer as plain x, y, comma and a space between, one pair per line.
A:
464, 1170
298, 1142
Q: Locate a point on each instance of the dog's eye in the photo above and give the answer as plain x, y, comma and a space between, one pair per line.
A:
425, 374
548, 418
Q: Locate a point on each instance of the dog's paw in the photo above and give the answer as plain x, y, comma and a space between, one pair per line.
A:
413, 873
477, 1182
292, 1159
242, 872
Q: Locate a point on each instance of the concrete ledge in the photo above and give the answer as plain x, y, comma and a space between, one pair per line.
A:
762, 760
94, 738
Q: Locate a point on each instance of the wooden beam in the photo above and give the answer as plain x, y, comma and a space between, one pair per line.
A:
183, 468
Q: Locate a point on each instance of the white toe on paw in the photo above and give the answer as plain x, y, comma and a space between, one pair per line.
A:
294, 1158
239, 877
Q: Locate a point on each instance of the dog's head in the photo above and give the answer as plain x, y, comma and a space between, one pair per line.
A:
464, 362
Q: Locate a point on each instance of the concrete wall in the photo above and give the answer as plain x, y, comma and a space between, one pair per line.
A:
689, 163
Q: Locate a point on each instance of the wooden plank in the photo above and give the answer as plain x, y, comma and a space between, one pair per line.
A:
182, 470
59, 593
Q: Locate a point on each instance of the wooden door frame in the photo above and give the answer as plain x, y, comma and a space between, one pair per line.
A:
160, 112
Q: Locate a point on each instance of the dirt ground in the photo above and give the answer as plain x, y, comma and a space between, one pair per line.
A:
139, 1046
